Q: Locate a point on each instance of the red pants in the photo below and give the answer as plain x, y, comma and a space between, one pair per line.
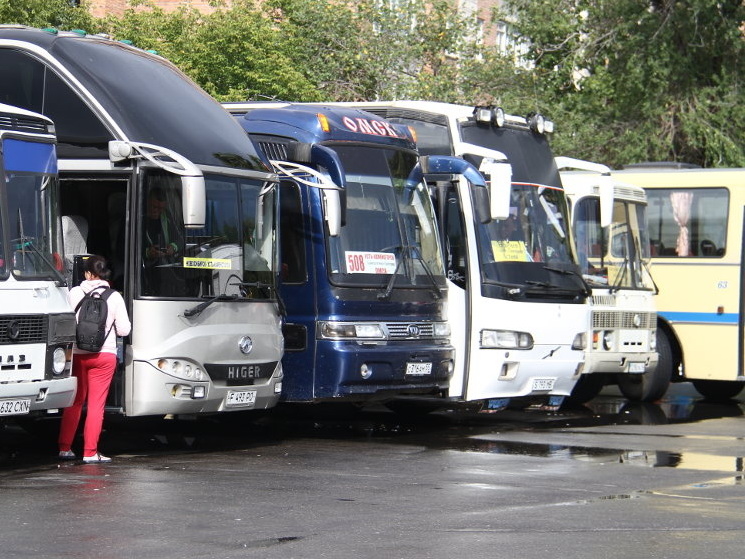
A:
94, 372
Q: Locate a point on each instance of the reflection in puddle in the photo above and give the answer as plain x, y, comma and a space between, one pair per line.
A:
651, 459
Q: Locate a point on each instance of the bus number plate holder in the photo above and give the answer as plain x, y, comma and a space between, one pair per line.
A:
540, 384
243, 398
15, 407
418, 369
637, 368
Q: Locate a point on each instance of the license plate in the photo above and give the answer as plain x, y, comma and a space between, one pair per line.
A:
240, 398
543, 384
637, 367
418, 369
15, 407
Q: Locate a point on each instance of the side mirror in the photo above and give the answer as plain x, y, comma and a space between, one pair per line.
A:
605, 186
193, 201
332, 211
499, 175
193, 188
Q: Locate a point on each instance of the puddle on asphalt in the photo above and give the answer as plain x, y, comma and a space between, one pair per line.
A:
645, 458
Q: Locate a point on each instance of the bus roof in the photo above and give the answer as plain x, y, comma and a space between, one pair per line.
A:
670, 178
320, 123
101, 89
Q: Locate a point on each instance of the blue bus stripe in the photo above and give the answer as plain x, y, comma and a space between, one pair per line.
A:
701, 317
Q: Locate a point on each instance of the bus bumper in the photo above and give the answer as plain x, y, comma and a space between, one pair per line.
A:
362, 371
621, 363
43, 394
157, 393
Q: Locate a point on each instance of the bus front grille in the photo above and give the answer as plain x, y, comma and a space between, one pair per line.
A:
410, 330
23, 329
627, 320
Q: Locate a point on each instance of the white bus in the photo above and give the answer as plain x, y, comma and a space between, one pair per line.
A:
609, 221
137, 138
696, 233
37, 326
516, 300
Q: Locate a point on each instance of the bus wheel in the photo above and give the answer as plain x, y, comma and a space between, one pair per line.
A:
650, 386
587, 387
718, 390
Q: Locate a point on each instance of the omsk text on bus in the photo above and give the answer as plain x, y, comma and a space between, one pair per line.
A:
362, 274
609, 222
516, 299
696, 233
171, 191
37, 326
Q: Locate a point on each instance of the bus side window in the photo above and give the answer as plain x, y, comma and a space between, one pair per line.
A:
292, 235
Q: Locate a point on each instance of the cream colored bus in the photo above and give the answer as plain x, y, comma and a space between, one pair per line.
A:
696, 234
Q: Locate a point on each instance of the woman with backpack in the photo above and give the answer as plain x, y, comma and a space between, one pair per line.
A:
101, 317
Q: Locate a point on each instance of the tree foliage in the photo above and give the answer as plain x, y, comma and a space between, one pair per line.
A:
625, 81
45, 13
637, 80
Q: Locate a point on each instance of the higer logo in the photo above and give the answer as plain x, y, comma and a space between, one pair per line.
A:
369, 126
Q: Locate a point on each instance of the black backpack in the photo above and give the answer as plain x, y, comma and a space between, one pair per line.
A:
91, 330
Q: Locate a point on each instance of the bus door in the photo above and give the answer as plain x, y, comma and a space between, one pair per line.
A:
298, 287
95, 206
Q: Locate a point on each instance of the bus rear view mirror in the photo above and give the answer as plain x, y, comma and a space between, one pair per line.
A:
333, 211
605, 186
193, 201
193, 188
499, 177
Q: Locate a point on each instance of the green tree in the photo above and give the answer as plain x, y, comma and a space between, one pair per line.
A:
367, 49
61, 14
635, 80
234, 53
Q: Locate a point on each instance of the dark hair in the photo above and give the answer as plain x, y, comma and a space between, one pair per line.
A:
97, 266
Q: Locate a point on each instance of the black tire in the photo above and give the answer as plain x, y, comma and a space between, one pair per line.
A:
652, 385
587, 387
718, 390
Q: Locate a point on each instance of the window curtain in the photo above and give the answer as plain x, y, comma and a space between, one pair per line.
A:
681, 203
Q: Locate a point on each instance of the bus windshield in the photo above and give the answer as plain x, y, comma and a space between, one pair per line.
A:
233, 255
389, 234
30, 183
535, 235
615, 256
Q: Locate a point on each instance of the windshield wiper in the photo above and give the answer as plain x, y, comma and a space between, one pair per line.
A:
263, 285
194, 311
389, 286
435, 288
28, 242
585, 287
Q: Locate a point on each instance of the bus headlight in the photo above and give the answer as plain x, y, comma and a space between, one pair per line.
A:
505, 339
580, 341
59, 360
350, 330
607, 340
441, 329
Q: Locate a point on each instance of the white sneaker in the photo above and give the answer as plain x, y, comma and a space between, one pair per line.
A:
97, 458
66, 455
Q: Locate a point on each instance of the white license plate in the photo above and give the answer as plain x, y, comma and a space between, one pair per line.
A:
637, 367
15, 407
240, 398
418, 369
543, 384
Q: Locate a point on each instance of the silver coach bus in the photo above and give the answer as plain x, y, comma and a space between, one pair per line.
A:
160, 180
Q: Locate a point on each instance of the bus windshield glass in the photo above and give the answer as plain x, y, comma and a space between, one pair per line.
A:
389, 237
30, 182
615, 256
535, 235
233, 255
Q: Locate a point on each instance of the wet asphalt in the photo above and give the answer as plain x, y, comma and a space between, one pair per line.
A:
608, 479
